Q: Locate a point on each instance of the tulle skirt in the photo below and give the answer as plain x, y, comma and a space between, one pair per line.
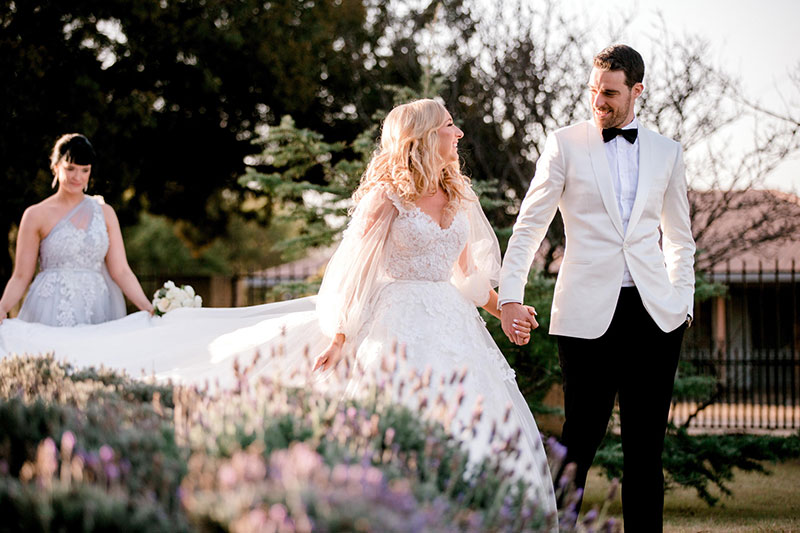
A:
187, 345
430, 329
70, 297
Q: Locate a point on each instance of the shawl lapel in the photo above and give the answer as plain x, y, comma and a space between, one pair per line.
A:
646, 172
602, 174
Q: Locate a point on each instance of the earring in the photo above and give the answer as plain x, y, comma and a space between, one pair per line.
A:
86, 188
55, 180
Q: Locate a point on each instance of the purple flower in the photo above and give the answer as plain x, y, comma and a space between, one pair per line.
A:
112, 472
590, 517
569, 518
505, 511
67, 443
612, 490
373, 476
278, 513
106, 453
256, 519
227, 477
557, 450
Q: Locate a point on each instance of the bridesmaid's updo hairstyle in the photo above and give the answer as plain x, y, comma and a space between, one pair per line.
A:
407, 160
72, 148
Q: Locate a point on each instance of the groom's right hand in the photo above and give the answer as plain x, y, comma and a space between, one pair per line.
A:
517, 321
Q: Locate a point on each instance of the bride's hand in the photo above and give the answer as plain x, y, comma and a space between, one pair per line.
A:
328, 358
523, 328
518, 320
532, 311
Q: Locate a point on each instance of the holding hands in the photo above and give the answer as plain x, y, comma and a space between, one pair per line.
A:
518, 320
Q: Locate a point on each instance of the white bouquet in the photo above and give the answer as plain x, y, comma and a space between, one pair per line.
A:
171, 297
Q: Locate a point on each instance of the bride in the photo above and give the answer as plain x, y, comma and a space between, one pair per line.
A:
416, 259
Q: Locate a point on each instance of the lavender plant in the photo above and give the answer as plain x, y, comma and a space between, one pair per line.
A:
273, 453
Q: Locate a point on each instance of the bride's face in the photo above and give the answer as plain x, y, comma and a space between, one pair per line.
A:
73, 177
449, 134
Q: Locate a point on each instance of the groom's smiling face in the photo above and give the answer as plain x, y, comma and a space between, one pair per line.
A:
611, 99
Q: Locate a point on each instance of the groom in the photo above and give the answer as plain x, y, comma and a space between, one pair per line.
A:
625, 288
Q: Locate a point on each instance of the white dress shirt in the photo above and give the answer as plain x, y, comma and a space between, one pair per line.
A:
623, 161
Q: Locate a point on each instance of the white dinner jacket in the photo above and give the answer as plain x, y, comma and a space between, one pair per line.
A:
573, 175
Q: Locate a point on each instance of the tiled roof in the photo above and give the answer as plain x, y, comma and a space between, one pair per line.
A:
747, 215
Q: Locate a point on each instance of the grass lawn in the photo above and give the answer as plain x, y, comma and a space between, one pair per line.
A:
759, 503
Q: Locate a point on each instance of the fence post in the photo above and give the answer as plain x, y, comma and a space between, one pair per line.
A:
795, 373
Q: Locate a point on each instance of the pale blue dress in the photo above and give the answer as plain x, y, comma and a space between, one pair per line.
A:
73, 285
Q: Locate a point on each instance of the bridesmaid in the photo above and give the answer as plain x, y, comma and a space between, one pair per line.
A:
78, 243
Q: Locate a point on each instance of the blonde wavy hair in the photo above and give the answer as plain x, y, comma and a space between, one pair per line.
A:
407, 161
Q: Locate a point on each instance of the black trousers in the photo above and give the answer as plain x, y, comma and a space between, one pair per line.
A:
636, 360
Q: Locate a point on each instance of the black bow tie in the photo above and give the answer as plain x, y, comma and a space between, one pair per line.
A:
629, 134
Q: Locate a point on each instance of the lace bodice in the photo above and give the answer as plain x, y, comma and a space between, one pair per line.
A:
419, 249
77, 242
388, 239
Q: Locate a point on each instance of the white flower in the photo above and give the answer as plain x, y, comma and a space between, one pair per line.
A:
163, 305
174, 293
170, 296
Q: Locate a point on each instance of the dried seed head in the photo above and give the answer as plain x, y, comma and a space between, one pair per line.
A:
507, 414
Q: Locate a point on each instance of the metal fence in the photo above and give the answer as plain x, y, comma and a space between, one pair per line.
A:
745, 344
276, 284
250, 288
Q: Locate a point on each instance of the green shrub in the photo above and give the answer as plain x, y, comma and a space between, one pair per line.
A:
536, 363
704, 461
41, 399
82, 507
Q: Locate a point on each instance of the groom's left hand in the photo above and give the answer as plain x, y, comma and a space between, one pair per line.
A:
518, 321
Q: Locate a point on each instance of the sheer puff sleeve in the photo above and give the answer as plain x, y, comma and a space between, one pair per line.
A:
355, 270
477, 271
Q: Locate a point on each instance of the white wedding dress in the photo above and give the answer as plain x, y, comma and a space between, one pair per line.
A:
397, 283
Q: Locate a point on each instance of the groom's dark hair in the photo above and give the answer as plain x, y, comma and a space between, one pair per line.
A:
622, 57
